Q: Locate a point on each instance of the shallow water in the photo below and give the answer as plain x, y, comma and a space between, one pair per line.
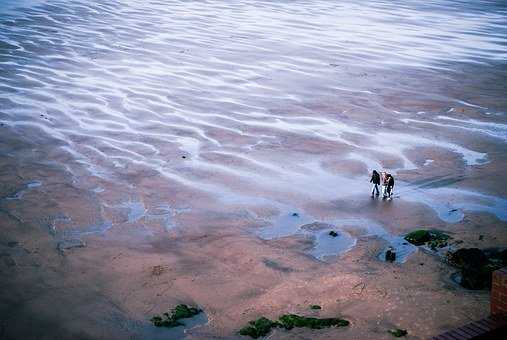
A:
159, 109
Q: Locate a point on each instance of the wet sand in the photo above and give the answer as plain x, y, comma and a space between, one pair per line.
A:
153, 154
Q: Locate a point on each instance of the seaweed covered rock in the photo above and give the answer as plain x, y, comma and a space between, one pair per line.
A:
172, 318
263, 326
433, 238
258, 328
476, 266
398, 333
289, 321
315, 307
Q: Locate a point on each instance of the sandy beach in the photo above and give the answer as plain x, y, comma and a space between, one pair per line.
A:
156, 153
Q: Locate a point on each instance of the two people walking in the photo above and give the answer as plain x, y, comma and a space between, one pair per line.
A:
385, 180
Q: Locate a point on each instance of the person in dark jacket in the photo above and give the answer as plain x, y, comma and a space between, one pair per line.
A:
390, 185
375, 179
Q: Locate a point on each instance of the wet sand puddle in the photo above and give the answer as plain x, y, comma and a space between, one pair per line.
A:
326, 246
162, 129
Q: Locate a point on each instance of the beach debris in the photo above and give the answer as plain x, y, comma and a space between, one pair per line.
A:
333, 233
390, 255
172, 319
398, 333
359, 288
432, 238
315, 307
476, 266
263, 326
67, 244
157, 270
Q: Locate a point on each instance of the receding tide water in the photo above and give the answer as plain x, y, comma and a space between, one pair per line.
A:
262, 117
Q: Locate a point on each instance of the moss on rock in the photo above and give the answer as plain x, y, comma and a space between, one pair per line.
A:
433, 238
171, 319
289, 321
263, 326
258, 328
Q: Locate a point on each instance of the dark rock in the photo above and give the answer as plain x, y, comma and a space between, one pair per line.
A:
476, 266
12, 244
315, 307
172, 318
468, 257
295, 214
390, 255
333, 233
481, 237
398, 333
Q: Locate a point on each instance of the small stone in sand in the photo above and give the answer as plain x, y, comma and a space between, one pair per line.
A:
333, 233
398, 333
315, 307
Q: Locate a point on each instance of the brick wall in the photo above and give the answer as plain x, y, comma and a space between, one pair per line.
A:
499, 292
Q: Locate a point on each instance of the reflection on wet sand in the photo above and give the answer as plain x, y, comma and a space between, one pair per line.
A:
222, 142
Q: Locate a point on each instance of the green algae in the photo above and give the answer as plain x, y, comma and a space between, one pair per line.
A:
398, 333
263, 326
290, 321
433, 238
172, 319
258, 328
